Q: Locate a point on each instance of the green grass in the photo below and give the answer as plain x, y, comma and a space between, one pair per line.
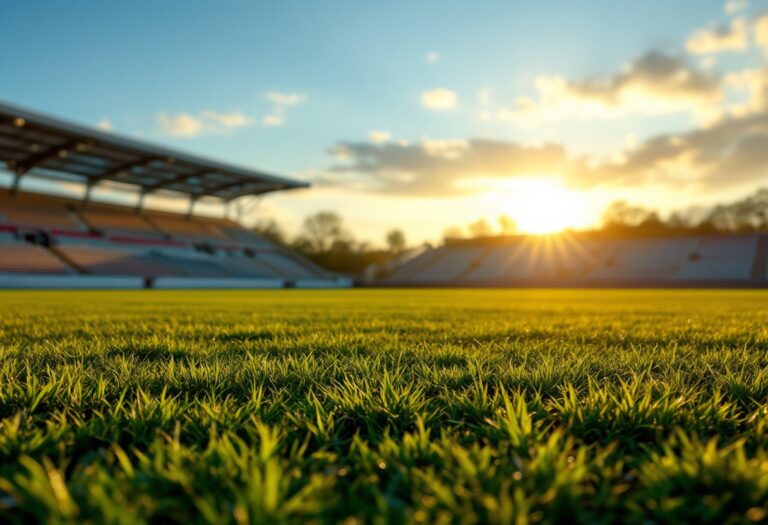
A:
384, 406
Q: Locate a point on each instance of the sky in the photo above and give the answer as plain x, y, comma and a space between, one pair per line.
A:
420, 115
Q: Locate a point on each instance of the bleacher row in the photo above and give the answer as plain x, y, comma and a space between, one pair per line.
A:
42, 235
579, 260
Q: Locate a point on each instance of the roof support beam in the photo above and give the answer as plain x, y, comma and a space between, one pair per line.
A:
180, 178
60, 151
125, 167
266, 185
53, 147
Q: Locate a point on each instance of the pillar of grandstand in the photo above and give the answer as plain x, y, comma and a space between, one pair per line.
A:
42, 234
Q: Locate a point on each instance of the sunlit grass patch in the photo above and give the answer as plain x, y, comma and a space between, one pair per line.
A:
384, 406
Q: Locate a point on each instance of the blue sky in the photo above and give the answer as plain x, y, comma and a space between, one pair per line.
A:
298, 88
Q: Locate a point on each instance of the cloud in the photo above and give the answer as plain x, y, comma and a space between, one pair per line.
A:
733, 37
104, 124
440, 99
437, 167
433, 57
753, 85
285, 100
485, 96
731, 152
379, 137
761, 33
185, 125
451, 149
180, 124
654, 83
707, 63
734, 6
226, 120
272, 120
281, 102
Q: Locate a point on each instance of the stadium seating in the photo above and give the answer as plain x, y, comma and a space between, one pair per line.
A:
585, 260
246, 237
720, 258
31, 211
239, 265
44, 235
451, 265
418, 264
181, 227
286, 265
95, 260
21, 257
111, 220
645, 259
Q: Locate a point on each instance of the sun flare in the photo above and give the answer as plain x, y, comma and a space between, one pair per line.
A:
546, 206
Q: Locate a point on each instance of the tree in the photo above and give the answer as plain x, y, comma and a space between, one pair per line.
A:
396, 241
452, 232
270, 230
747, 214
621, 214
480, 228
680, 220
507, 226
321, 231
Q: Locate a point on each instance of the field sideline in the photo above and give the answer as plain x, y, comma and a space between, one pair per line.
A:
384, 406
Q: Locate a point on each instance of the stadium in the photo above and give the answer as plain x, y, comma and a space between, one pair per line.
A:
50, 242
409, 263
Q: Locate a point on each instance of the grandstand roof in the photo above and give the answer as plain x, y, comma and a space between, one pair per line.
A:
53, 148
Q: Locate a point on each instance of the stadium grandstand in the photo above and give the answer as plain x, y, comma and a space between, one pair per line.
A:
592, 259
51, 241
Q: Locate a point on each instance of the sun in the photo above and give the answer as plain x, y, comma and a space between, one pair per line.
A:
545, 207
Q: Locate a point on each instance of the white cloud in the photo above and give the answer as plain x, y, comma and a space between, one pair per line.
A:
734, 37
450, 149
226, 120
752, 85
285, 100
440, 99
761, 33
187, 125
180, 124
104, 124
707, 63
485, 96
379, 137
734, 6
438, 167
655, 83
433, 57
281, 101
272, 120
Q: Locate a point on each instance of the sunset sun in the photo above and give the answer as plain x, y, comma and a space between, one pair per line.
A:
546, 207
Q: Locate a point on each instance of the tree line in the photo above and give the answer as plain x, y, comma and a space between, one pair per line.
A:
325, 240
746, 215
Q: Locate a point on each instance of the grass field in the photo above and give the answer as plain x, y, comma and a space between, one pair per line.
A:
384, 406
